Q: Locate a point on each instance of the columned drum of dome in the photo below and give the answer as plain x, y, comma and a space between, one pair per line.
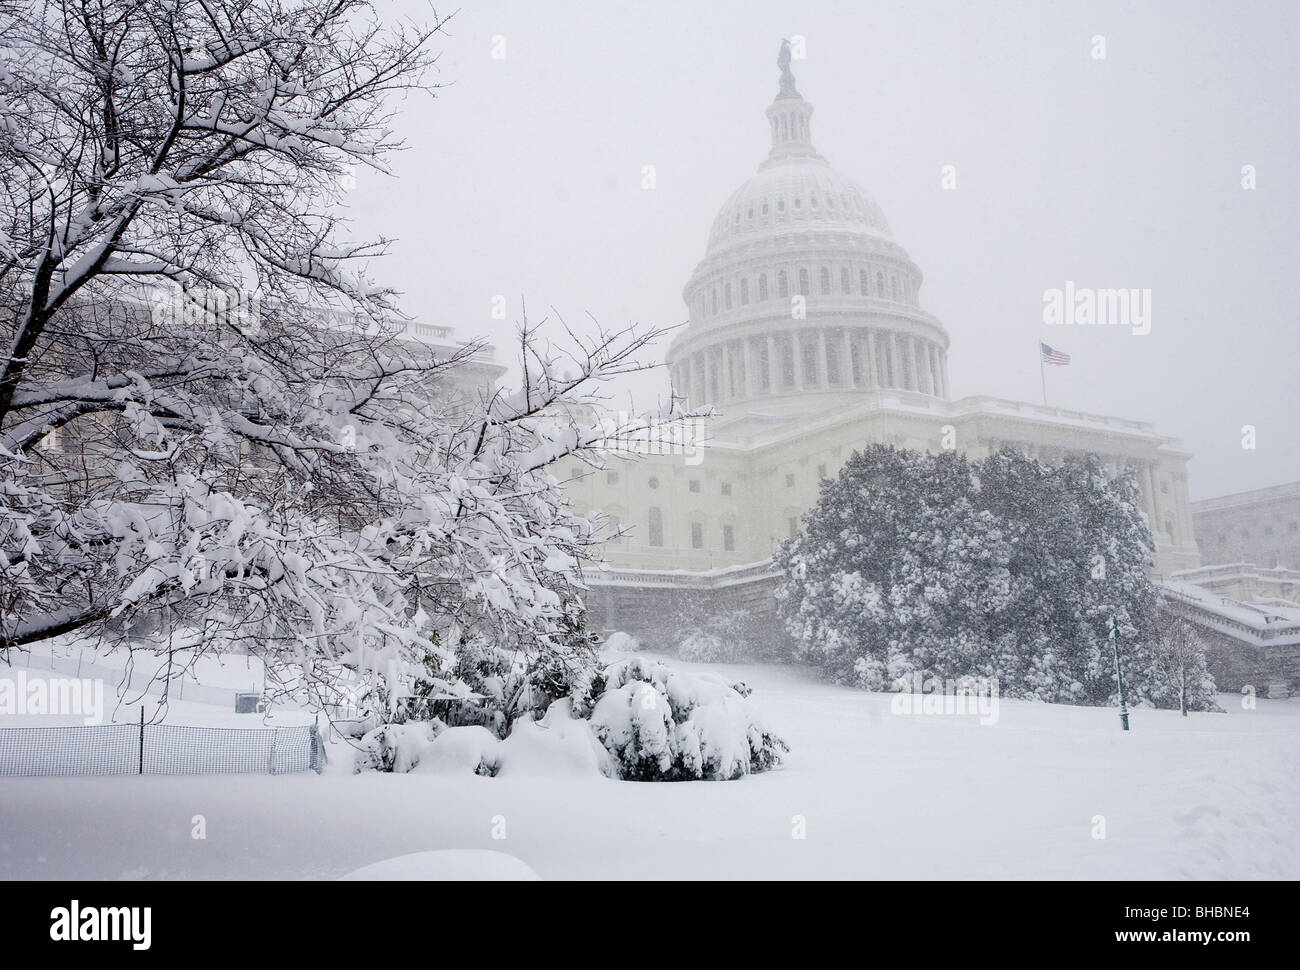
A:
803, 295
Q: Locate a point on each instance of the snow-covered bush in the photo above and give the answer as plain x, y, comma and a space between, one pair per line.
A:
1002, 568
638, 720
728, 636
666, 725
396, 747
621, 643
700, 646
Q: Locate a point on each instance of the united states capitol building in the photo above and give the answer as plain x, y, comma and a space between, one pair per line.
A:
808, 337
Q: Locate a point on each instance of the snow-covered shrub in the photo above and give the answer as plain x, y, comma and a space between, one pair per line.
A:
461, 750
637, 720
1002, 568
728, 636
500, 682
621, 643
666, 725
396, 747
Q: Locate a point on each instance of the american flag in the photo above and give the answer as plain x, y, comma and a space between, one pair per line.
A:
1051, 356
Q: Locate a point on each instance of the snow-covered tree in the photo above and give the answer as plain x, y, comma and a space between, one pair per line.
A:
1179, 663
208, 412
1003, 568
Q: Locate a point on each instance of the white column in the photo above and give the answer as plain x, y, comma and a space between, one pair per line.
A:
1158, 523
870, 377
772, 370
796, 359
846, 358
823, 362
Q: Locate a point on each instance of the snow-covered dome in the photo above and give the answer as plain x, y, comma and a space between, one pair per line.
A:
803, 292
795, 194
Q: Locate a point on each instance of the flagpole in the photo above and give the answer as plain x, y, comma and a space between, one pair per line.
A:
1042, 371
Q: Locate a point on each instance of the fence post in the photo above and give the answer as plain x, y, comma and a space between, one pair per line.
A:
142, 736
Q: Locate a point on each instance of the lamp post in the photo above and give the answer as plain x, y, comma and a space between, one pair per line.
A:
1119, 672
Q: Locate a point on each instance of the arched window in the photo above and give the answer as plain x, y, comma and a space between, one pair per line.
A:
726, 293
762, 286
715, 299
803, 282
744, 291
846, 281
812, 200
656, 530
782, 284
863, 281
826, 281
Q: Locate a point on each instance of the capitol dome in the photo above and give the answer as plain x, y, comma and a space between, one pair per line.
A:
803, 293
795, 194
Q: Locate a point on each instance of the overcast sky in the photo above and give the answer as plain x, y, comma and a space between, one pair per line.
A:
523, 178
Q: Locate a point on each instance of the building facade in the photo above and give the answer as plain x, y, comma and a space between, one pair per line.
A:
1260, 527
807, 338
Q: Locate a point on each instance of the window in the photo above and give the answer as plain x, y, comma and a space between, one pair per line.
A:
726, 295
656, 527
782, 284
726, 488
893, 280
880, 288
694, 485
798, 202
762, 286
826, 281
697, 535
789, 479
803, 282
728, 538
846, 281
744, 292
1164, 488
611, 478
862, 282
780, 205
653, 482
812, 200
764, 208
715, 299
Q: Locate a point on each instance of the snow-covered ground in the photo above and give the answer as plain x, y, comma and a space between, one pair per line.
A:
876, 795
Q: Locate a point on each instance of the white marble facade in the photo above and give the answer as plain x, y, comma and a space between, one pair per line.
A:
807, 338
